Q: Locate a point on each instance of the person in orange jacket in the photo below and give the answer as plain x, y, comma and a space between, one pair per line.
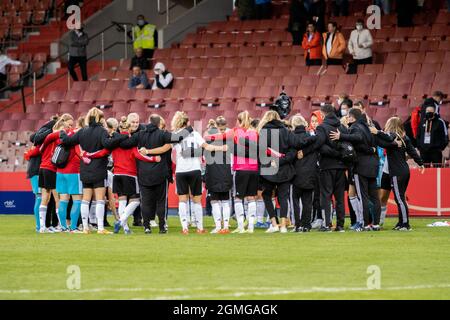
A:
333, 45
312, 45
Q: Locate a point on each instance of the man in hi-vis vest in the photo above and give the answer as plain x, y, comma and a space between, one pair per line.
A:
145, 36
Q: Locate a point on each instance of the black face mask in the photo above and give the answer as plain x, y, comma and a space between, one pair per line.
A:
429, 115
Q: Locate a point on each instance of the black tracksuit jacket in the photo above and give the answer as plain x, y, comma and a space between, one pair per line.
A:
91, 139
305, 168
329, 157
38, 138
153, 173
365, 145
287, 144
396, 156
439, 134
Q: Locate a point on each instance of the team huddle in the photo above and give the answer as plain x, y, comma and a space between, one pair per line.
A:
245, 170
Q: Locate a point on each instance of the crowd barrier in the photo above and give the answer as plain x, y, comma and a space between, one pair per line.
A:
428, 193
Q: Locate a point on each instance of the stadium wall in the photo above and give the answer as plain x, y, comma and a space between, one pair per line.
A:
428, 194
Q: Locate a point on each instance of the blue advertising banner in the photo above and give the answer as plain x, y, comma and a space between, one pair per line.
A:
16, 202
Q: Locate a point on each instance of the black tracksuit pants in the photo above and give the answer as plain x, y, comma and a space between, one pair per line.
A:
82, 61
317, 211
332, 182
431, 156
303, 218
283, 190
154, 198
367, 190
399, 186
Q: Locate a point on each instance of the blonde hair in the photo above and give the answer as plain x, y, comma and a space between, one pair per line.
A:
395, 125
80, 122
298, 120
162, 123
112, 123
344, 121
124, 125
179, 120
244, 119
60, 124
94, 114
268, 117
132, 115
211, 124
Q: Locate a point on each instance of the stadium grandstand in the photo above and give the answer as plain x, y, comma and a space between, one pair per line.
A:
220, 68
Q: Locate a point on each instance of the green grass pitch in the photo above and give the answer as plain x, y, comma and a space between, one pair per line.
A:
412, 265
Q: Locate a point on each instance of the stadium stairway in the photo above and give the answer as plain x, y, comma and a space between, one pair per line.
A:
35, 47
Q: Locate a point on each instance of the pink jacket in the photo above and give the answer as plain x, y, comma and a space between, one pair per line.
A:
239, 163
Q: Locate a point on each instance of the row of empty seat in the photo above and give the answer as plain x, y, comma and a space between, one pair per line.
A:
252, 51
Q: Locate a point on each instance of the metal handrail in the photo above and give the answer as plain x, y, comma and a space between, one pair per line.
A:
169, 7
17, 85
23, 96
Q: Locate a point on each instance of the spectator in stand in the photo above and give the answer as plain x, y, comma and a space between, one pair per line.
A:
163, 78
139, 79
145, 36
333, 45
317, 14
385, 5
435, 100
263, 9
360, 44
77, 53
405, 12
297, 21
139, 60
4, 61
448, 5
246, 9
340, 8
312, 45
432, 137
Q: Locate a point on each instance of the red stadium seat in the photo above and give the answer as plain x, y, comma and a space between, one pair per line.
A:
401, 89
380, 89
174, 95
90, 96
385, 78
412, 67
305, 91
414, 57
73, 95
80, 85
395, 57
263, 72
405, 77
420, 89
231, 93
392, 67
236, 81
97, 85
66, 107
310, 80
218, 82
55, 96
248, 92
212, 94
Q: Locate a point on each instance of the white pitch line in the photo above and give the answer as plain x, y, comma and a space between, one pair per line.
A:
293, 291
236, 294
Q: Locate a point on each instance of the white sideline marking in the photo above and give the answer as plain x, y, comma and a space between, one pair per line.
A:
245, 291
292, 291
